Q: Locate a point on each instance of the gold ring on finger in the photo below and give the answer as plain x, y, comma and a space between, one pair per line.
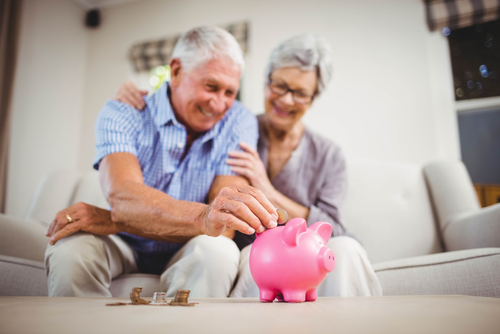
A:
70, 220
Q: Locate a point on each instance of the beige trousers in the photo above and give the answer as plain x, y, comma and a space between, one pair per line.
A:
84, 265
353, 274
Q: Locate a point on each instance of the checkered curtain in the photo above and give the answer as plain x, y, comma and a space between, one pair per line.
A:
146, 56
460, 13
10, 22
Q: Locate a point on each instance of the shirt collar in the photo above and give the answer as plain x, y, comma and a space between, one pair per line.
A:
213, 131
161, 108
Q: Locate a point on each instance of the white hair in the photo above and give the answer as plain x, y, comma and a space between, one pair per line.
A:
308, 52
199, 45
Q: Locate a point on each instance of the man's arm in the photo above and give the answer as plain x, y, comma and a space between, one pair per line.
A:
141, 209
144, 211
89, 218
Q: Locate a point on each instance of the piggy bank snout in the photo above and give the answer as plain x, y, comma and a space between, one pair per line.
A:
326, 259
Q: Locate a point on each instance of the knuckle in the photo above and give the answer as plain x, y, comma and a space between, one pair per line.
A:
216, 216
211, 215
226, 191
226, 220
240, 208
254, 192
252, 201
218, 202
73, 228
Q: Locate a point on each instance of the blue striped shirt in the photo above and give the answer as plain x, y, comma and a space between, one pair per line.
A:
158, 141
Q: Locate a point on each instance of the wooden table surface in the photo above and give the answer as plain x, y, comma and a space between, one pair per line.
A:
402, 314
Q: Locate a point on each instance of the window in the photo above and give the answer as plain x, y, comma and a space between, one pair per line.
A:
475, 59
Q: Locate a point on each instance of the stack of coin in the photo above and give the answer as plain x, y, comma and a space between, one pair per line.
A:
181, 296
159, 298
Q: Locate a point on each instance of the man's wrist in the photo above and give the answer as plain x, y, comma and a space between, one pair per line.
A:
201, 212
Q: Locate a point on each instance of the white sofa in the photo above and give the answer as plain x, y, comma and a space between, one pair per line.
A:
422, 227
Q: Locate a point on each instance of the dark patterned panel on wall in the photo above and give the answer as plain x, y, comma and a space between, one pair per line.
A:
475, 58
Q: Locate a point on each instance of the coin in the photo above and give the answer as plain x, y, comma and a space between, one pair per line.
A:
282, 216
181, 297
159, 298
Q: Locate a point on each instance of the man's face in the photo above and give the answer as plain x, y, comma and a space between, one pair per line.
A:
202, 96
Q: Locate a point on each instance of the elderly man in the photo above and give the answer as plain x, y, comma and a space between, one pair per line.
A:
158, 168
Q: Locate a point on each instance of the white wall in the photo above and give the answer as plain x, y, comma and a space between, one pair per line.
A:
48, 96
385, 102
391, 96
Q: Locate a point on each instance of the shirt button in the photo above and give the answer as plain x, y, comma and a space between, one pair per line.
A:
180, 144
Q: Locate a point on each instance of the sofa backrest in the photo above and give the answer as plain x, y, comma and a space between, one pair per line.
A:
388, 206
63, 188
89, 191
53, 194
389, 209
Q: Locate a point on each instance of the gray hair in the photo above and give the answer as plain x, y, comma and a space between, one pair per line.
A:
308, 52
199, 45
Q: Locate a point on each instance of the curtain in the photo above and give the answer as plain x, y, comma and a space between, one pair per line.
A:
460, 13
147, 55
10, 17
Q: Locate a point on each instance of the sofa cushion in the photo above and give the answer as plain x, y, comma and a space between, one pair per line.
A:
474, 272
21, 277
121, 286
388, 208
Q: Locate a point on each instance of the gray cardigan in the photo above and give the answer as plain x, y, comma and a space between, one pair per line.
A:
314, 176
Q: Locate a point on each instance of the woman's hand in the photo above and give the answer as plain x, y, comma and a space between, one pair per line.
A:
128, 93
249, 165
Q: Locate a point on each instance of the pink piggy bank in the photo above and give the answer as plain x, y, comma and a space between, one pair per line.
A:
289, 262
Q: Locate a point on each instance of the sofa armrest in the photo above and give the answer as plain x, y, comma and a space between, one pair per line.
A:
478, 229
23, 239
451, 190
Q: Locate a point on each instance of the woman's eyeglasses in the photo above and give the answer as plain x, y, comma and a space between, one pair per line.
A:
281, 89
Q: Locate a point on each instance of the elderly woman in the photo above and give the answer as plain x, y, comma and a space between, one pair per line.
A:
298, 170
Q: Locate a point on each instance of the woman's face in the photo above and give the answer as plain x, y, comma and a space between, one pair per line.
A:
282, 110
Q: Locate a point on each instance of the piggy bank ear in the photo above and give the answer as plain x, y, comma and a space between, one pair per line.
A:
292, 231
323, 229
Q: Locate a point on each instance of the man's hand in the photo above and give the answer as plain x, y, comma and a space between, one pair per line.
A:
128, 93
241, 207
86, 218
